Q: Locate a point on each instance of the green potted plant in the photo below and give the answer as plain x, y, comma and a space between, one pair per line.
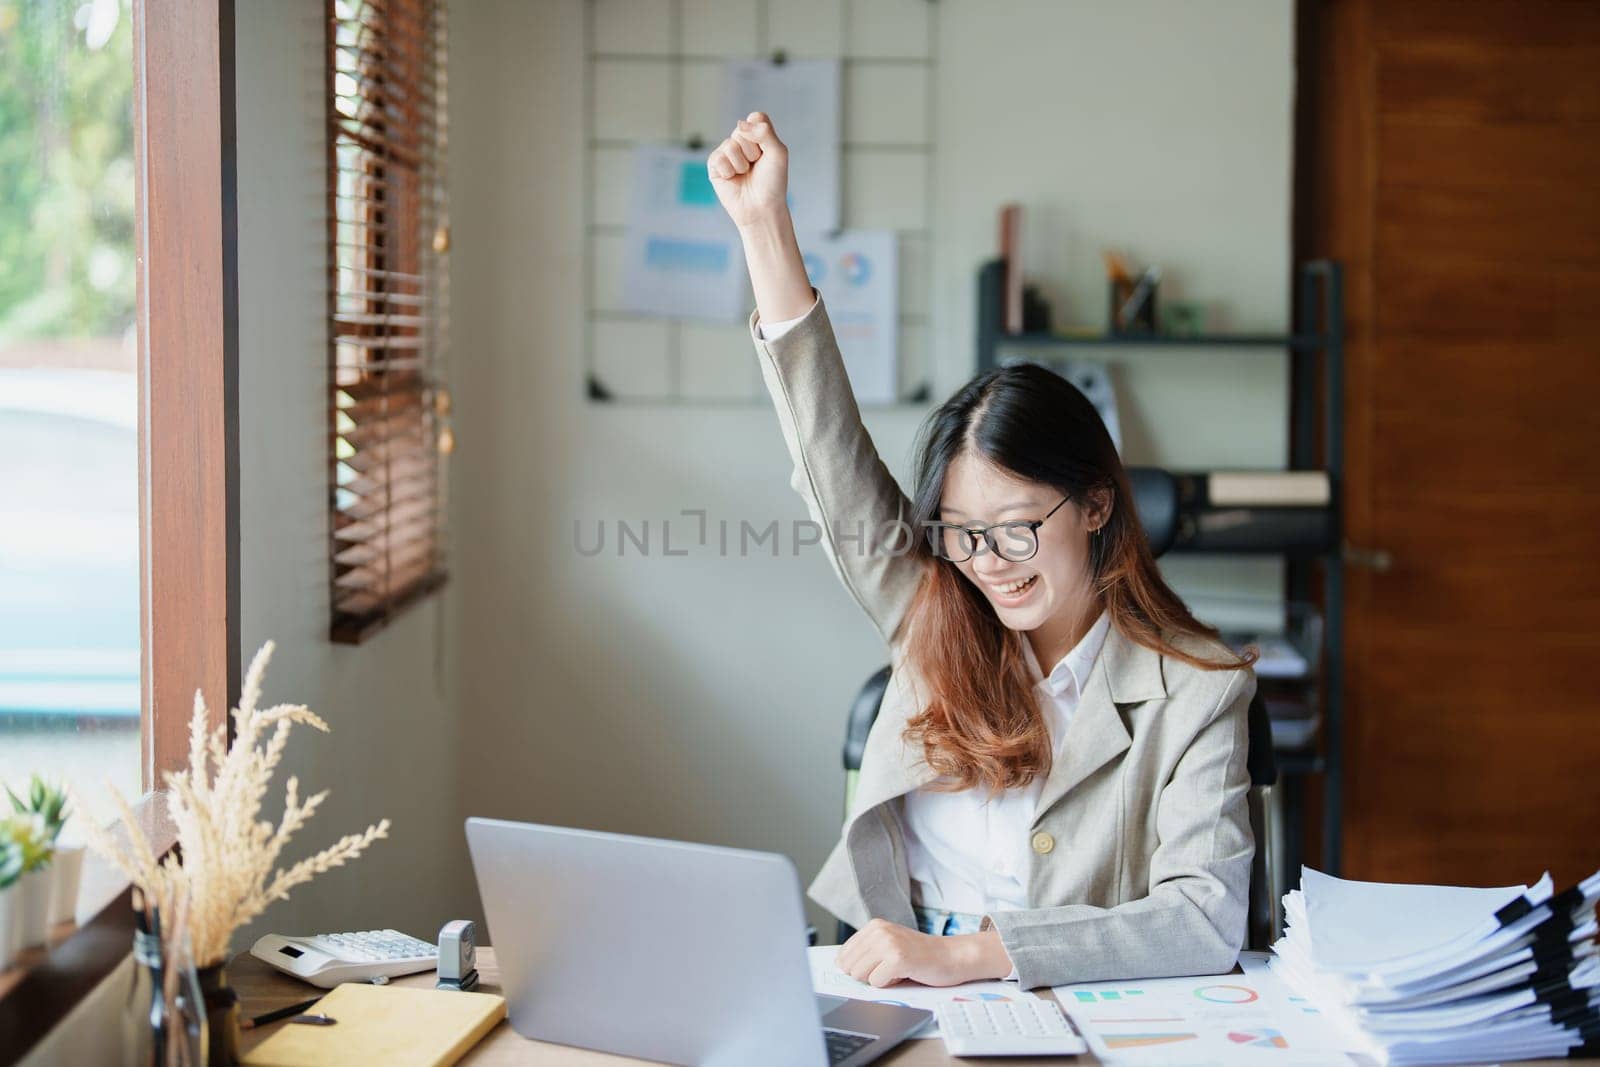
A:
10, 872
49, 802
30, 919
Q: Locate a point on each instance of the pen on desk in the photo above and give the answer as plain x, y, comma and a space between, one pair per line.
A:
274, 1016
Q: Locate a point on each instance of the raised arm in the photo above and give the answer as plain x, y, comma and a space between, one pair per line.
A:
865, 519
750, 173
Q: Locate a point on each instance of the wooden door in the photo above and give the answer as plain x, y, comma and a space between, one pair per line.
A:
1449, 155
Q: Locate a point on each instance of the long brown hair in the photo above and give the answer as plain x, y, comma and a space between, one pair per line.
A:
981, 723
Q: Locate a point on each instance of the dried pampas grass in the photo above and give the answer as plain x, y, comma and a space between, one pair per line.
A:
224, 871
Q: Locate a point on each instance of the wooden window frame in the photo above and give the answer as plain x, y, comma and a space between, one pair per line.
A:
187, 267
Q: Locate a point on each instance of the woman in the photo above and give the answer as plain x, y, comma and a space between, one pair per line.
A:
1085, 823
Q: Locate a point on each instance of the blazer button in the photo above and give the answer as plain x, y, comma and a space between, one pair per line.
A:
1043, 842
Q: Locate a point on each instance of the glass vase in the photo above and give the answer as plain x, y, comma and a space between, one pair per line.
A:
163, 1020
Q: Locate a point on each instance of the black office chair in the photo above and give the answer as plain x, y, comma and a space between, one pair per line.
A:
1155, 498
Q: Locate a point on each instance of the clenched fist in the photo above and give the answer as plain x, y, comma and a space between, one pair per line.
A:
750, 171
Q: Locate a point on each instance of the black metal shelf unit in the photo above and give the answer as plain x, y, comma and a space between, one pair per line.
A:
1316, 351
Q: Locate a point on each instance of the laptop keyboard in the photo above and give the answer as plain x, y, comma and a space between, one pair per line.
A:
842, 1044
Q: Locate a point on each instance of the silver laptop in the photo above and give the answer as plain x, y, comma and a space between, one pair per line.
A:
668, 951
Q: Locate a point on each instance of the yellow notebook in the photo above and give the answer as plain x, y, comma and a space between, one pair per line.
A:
393, 1025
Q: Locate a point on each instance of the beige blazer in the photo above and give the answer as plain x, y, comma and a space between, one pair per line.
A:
1140, 851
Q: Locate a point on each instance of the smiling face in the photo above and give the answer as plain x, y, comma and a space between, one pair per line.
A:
1051, 588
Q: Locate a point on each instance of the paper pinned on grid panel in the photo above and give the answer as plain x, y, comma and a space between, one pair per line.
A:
681, 253
860, 272
804, 100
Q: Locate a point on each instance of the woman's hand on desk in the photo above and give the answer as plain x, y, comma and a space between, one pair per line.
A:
750, 172
882, 953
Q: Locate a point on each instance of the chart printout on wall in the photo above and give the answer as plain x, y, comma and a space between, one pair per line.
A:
858, 273
803, 97
681, 254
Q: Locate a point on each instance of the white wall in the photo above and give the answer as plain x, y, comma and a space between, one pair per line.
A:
702, 697
390, 702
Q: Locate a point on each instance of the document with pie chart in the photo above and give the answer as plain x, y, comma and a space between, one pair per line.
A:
857, 273
1231, 1018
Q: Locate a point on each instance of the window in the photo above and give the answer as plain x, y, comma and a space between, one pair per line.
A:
388, 335
69, 490
179, 215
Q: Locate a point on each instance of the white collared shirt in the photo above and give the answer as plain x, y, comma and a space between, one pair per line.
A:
968, 853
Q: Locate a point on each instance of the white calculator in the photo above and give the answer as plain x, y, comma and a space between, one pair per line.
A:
327, 959
1006, 1028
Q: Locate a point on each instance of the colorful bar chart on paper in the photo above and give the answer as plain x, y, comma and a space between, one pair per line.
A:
1089, 996
1144, 1040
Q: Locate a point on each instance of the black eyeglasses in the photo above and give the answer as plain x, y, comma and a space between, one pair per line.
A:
960, 543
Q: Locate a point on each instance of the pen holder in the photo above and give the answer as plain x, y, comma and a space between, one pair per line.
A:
1133, 306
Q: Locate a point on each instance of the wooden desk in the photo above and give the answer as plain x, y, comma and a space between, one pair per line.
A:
261, 989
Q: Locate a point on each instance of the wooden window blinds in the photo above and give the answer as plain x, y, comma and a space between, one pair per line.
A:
389, 236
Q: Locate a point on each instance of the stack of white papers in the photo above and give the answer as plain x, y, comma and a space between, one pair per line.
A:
1421, 974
